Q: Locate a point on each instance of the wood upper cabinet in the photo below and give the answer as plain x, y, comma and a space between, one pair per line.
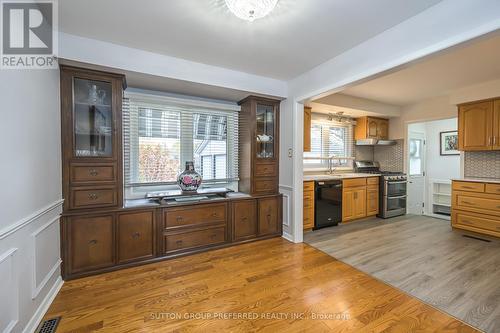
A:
135, 236
259, 145
475, 126
244, 219
91, 113
371, 128
496, 124
307, 128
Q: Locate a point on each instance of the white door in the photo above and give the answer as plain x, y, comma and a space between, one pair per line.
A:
416, 173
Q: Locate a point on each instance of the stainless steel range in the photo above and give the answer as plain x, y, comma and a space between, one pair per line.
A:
393, 193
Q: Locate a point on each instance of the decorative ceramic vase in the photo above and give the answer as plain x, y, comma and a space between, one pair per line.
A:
189, 180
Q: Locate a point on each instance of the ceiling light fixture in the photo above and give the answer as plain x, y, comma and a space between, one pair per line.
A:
251, 10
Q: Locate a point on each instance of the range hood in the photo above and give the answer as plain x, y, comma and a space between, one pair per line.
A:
375, 142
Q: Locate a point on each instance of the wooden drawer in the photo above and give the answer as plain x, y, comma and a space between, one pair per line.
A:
354, 182
485, 203
193, 239
81, 173
477, 221
85, 197
244, 219
269, 216
468, 186
372, 181
309, 186
263, 185
135, 236
493, 188
266, 170
308, 200
194, 215
91, 243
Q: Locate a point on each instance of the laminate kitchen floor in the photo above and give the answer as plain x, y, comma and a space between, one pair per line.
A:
265, 286
424, 257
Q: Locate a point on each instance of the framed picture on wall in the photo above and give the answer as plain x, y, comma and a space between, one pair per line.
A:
449, 143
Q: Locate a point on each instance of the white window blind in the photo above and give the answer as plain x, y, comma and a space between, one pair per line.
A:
330, 139
161, 134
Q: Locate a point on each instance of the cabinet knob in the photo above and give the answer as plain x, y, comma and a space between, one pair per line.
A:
179, 242
179, 218
136, 235
268, 218
93, 172
93, 241
93, 196
214, 214
244, 219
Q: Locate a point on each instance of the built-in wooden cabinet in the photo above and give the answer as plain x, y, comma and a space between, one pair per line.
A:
371, 128
99, 233
307, 128
308, 206
360, 198
135, 233
475, 126
244, 220
475, 206
91, 103
259, 145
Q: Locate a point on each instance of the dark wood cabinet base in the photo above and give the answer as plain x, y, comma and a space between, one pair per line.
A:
94, 243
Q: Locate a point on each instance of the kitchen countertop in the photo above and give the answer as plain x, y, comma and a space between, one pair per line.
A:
339, 176
479, 180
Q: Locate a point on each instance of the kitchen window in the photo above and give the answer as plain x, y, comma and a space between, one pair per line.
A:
162, 133
330, 139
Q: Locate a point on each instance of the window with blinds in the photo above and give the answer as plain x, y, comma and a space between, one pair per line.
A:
330, 139
161, 134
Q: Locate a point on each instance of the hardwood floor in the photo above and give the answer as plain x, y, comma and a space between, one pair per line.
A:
425, 258
267, 281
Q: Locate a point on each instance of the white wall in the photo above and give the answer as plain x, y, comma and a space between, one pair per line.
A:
30, 196
440, 167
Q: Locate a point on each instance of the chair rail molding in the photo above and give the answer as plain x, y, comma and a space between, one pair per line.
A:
9, 230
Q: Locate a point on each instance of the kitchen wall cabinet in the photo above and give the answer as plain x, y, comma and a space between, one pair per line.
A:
496, 125
308, 205
476, 125
307, 128
371, 128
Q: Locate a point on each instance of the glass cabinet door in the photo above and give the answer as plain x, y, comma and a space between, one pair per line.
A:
92, 118
265, 131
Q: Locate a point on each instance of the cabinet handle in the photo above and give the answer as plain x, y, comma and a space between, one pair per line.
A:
494, 140
136, 235
93, 196
214, 214
468, 187
244, 219
268, 218
179, 218
93, 241
179, 242
489, 141
468, 203
93, 172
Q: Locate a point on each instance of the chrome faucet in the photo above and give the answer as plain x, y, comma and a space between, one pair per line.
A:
331, 169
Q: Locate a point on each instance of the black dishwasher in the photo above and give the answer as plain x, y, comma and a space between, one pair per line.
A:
327, 203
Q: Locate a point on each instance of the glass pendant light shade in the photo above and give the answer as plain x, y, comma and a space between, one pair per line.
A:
251, 10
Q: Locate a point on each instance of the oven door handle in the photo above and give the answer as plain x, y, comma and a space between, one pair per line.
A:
399, 182
398, 197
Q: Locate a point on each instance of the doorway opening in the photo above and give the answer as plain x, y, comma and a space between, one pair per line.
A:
432, 162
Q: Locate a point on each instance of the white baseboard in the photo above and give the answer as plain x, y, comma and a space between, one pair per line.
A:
287, 236
44, 306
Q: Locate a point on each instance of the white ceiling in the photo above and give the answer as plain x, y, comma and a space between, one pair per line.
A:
297, 36
441, 74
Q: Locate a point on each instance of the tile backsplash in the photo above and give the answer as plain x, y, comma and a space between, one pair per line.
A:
391, 158
482, 164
